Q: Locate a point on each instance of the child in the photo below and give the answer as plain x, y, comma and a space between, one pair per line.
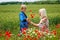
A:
44, 22
23, 18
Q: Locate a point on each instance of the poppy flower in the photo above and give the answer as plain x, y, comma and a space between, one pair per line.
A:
28, 36
39, 35
30, 10
18, 35
24, 30
54, 32
35, 38
8, 34
47, 31
58, 26
36, 31
0, 34
24, 38
32, 15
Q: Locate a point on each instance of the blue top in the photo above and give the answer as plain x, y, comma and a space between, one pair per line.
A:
23, 22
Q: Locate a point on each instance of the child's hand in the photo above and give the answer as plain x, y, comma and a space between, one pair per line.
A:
28, 20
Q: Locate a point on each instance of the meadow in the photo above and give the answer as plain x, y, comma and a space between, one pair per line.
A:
9, 17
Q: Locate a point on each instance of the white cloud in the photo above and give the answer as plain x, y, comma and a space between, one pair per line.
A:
18, 0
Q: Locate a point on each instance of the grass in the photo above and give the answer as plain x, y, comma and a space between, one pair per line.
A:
9, 16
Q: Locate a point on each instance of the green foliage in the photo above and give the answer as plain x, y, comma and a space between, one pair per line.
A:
9, 15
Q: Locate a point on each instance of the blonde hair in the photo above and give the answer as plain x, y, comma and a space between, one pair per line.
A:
42, 12
23, 6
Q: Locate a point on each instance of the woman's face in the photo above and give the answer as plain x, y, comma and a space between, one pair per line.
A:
24, 9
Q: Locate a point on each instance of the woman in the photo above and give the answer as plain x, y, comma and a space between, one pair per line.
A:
44, 22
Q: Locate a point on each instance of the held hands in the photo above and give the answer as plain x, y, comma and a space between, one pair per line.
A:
28, 20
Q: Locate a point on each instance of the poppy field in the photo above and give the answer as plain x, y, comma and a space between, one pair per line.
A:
9, 22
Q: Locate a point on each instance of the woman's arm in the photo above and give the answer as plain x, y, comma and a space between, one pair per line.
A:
35, 24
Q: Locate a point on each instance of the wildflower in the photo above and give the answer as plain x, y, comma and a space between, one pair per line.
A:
32, 15
35, 38
24, 38
30, 10
47, 31
36, 31
58, 26
24, 30
54, 32
0, 34
18, 35
8, 34
39, 34
28, 36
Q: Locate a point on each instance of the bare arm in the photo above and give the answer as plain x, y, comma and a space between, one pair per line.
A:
35, 24
43, 20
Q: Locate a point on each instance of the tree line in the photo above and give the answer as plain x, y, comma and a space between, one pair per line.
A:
38, 2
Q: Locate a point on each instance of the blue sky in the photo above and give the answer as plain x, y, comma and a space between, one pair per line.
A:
18, 0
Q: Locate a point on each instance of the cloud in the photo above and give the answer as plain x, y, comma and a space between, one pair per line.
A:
18, 0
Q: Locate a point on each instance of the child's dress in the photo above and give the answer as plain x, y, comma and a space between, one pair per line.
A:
44, 22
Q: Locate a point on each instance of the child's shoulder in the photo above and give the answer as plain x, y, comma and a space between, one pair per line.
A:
20, 13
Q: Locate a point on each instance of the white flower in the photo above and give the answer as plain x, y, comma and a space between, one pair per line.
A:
33, 32
50, 36
48, 33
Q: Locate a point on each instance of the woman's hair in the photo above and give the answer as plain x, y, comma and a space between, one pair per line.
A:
23, 6
42, 12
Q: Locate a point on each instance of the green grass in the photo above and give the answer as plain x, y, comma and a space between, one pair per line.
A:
9, 16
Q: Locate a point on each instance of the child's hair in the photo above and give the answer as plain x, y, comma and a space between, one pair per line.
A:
23, 6
42, 12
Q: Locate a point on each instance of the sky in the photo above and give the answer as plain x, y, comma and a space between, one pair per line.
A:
18, 0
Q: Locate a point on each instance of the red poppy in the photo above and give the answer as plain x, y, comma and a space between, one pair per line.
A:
32, 15
54, 32
36, 31
28, 36
47, 31
35, 38
58, 26
39, 34
18, 35
8, 34
24, 38
0, 34
30, 10
24, 30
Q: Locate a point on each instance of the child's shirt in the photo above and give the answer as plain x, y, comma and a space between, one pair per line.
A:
23, 22
44, 22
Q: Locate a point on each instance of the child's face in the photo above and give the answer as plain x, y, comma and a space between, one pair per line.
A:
24, 9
